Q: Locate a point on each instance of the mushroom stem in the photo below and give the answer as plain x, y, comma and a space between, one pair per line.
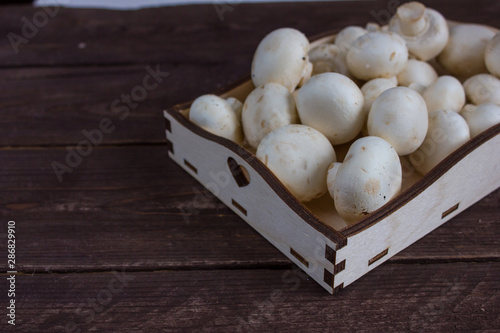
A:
412, 18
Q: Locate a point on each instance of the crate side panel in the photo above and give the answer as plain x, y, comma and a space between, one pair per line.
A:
471, 179
256, 203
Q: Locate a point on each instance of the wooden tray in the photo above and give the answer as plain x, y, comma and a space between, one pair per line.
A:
312, 235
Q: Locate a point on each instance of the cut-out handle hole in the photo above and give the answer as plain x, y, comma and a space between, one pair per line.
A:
239, 172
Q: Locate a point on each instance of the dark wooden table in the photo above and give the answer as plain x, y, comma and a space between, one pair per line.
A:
110, 245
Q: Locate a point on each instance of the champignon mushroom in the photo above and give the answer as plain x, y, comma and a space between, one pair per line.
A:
424, 30
369, 177
373, 88
399, 116
281, 57
447, 131
299, 156
347, 36
267, 108
480, 118
236, 105
333, 104
215, 115
328, 58
483, 88
332, 174
377, 54
463, 56
417, 75
492, 55
445, 93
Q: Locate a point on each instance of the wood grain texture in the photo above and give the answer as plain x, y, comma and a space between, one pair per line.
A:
438, 298
199, 51
184, 34
124, 204
121, 208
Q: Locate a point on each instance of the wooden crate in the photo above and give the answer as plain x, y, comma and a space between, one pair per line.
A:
312, 235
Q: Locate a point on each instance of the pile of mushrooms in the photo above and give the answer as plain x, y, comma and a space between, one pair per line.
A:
418, 88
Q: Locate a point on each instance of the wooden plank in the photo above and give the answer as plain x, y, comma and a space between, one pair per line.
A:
52, 106
190, 43
186, 34
125, 205
438, 298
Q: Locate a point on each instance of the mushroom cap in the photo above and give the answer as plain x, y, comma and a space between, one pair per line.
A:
332, 174
215, 115
447, 131
347, 36
299, 156
369, 177
267, 108
432, 38
417, 73
492, 55
373, 88
481, 118
236, 105
333, 104
463, 55
399, 116
377, 54
483, 88
445, 93
328, 58
281, 57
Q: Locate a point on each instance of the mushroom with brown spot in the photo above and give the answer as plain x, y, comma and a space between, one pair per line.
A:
267, 108
281, 57
377, 54
369, 177
299, 156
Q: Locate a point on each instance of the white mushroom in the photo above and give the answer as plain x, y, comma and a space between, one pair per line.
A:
333, 104
369, 177
373, 88
299, 156
480, 118
463, 56
417, 75
281, 57
447, 131
483, 88
492, 55
267, 108
332, 57
328, 58
236, 105
446, 93
424, 30
377, 54
332, 174
347, 36
399, 115
216, 116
